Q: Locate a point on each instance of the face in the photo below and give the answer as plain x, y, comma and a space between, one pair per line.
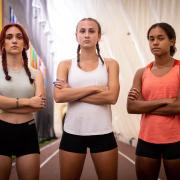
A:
14, 42
159, 42
87, 33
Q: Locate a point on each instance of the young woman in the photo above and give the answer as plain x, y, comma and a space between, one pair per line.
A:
156, 95
21, 94
90, 84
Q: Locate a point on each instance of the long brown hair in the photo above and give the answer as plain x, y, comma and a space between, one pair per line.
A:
24, 54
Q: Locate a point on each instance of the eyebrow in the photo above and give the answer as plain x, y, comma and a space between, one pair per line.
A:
15, 34
160, 35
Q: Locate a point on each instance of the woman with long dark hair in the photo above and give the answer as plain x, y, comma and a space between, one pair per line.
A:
90, 84
21, 94
155, 94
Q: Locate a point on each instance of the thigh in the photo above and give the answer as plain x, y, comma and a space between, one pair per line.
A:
73, 143
5, 167
101, 143
28, 167
71, 165
148, 160
27, 139
150, 150
106, 164
147, 168
171, 160
172, 169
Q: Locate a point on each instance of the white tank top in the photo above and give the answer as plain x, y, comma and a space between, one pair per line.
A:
84, 118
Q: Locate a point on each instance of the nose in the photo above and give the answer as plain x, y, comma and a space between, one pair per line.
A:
155, 42
14, 39
86, 34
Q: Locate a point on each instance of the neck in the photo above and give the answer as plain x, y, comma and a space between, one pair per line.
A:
14, 60
163, 60
88, 54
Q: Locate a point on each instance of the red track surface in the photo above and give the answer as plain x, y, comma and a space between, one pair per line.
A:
50, 166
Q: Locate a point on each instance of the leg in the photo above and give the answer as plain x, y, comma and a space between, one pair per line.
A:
147, 168
172, 169
71, 165
28, 167
106, 164
5, 167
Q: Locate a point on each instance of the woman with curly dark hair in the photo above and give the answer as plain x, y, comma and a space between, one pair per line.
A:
156, 95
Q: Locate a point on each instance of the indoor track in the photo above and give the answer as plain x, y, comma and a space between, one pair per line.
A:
50, 167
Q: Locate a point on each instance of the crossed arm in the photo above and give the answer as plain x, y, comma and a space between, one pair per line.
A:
26, 105
90, 94
137, 105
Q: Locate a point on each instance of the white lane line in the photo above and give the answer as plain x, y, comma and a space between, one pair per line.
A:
49, 158
129, 159
51, 144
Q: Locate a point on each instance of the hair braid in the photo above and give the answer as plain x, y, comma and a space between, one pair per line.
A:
4, 65
98, 52
78, 55
25, 59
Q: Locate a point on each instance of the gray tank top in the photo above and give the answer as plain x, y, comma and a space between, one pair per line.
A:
19, 85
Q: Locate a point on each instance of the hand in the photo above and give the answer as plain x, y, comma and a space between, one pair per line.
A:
38, 101
133, 94
61, 84
168, 100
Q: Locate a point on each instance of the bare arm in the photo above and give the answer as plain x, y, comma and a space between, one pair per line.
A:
66, 93
111, 93
136, 104
34, 104
171, 108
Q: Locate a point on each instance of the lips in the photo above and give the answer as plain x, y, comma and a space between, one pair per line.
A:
87, 41
156, 49
14, 47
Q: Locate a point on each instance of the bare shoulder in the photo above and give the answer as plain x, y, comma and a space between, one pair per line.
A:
140, 71
111, 62
35, 72
65, 63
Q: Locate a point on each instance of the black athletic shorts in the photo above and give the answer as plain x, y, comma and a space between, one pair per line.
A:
157, 151
18, 139
79, 144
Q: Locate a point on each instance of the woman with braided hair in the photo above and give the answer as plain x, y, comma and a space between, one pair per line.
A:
90, 84
21, 93
155, 94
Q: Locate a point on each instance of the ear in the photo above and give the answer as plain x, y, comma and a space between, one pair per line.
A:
172, 42
99, 37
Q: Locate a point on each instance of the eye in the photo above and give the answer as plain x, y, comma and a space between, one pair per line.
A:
9, 36
151, 39
161, 38
91, 30
19, 36
82, 30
